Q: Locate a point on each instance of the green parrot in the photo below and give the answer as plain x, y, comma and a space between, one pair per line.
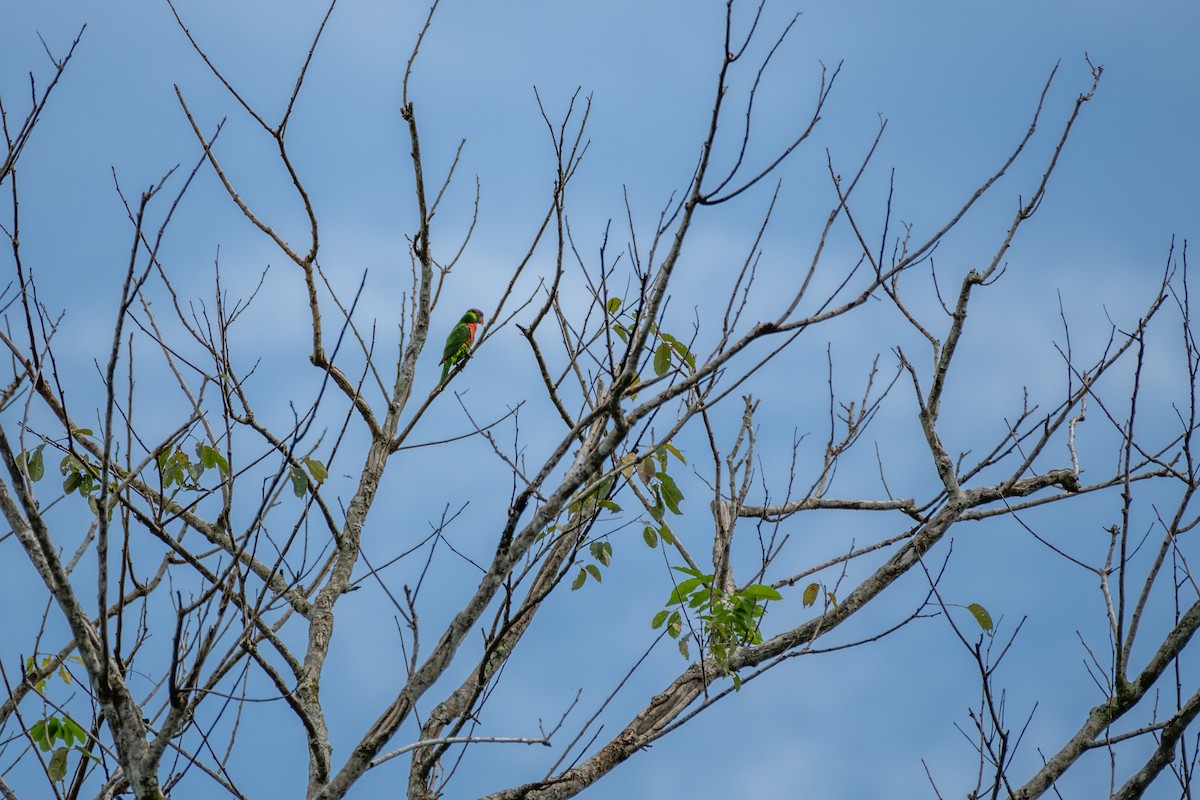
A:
459, 342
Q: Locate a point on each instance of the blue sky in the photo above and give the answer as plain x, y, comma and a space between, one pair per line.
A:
957, 83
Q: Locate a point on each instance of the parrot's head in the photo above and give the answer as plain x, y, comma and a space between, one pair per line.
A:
474, 315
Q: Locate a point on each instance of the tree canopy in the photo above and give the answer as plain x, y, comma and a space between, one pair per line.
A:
771, 447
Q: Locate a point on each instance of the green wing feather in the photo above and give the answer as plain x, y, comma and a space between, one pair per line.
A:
458, 343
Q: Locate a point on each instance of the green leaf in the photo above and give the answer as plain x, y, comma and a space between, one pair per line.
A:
662, 359
981, 616
602, 488
683, 590
613, 305
621, 333
684, 353
760, 592
594, 571
683, 648
675, 625
670, 492
34, 463
602, 552
58, 764
667, 536
30, 666
659, 619
210, 457
833, 602
610, 505
810, 594
206, 455
66, 732
38, 734
317, 469
673, 451
81, 431
628, 463
94, 503
73, 728
299, 481
657, 510
72, 482
580, 579
650, 536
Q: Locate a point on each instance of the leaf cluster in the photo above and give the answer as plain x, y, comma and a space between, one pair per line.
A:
726, 620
